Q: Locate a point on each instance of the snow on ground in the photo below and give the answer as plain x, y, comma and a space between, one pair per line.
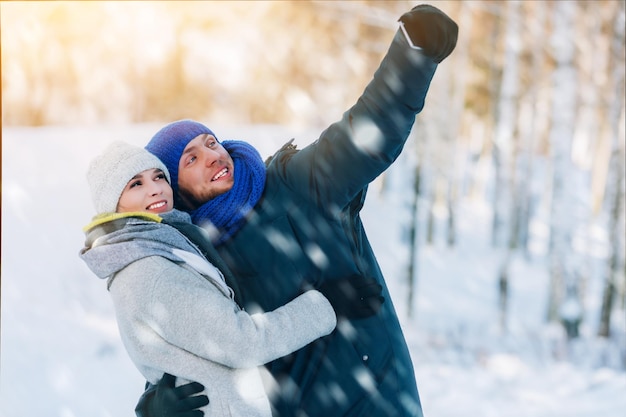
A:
61, 355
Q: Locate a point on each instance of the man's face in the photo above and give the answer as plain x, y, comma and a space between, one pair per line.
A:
205, 171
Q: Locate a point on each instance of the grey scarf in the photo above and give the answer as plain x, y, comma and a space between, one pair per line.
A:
112, 246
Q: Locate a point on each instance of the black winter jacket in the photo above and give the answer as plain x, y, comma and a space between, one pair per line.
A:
307, 227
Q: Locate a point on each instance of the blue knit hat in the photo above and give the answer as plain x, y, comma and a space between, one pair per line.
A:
169, 143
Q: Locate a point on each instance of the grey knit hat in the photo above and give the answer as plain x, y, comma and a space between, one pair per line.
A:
110, 171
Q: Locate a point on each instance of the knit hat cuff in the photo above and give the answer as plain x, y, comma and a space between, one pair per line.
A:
169, 143
110, 172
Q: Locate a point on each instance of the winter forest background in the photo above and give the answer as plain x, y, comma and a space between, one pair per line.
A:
500, 228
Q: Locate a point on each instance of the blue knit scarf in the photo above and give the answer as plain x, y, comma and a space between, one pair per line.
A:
227, 212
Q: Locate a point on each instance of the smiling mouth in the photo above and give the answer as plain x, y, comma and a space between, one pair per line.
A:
220, 174
156, 206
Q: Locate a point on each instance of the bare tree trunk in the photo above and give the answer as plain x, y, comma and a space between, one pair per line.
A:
414, 245
615, 185
610, 286
430, 220
451, 200
503, 292
504, 149
459, 80
492, 144
563, 120
531, 123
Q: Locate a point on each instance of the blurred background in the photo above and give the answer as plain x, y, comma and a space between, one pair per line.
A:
525, 120
240, 61
531, 86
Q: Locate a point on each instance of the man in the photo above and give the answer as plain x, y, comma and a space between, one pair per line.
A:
295, 222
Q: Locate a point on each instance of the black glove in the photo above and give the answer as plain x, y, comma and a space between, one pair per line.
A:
353, 297
432, 30
167, 400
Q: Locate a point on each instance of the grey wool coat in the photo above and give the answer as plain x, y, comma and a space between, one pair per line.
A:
176, 314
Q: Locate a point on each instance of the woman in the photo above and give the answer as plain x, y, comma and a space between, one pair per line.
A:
175, 312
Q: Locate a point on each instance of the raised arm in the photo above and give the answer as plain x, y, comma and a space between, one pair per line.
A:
371, 134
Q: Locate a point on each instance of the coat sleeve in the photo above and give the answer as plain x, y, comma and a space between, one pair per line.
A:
185, 310
371, 134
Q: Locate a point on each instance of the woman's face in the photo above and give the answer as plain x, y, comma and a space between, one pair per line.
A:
147, 191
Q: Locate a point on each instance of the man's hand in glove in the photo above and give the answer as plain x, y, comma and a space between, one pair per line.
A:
431, 30
353, 297
167, 400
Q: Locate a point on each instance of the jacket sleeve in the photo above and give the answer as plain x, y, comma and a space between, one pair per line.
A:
371, 134
185, 310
